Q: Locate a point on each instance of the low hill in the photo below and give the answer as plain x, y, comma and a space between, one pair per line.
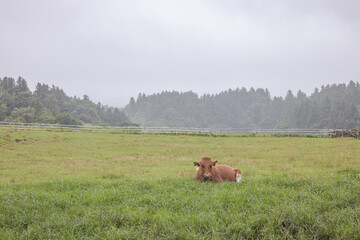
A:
52, 105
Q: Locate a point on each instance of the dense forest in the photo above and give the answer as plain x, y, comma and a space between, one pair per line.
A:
52, 105
332, 106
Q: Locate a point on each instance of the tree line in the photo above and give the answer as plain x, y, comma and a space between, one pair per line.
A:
332, 106
51, 105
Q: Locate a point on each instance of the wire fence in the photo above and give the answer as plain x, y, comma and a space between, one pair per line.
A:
167, 130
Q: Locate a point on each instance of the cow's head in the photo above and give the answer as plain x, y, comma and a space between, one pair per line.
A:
205, 167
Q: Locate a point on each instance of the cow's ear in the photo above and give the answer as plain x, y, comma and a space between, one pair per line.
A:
196, 164
214, 163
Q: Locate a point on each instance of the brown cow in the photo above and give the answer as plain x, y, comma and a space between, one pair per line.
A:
209, 171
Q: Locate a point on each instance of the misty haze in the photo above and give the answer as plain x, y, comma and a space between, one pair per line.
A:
115, 50
207, 64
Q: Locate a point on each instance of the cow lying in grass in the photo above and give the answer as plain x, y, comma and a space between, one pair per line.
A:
209, 171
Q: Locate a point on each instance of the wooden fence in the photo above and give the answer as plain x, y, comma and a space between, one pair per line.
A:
165, 130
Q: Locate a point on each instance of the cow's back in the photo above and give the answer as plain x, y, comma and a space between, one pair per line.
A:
226, 172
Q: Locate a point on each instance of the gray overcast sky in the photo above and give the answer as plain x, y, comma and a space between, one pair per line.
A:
113, 49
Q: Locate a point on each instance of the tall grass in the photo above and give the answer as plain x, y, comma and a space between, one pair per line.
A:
268, 207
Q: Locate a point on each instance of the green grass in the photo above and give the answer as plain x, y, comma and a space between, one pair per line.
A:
63, 185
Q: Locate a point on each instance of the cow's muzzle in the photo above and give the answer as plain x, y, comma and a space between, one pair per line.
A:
207, 176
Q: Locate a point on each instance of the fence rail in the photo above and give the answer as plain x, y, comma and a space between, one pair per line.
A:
165, 130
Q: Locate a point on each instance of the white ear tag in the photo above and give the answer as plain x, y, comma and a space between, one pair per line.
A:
238, 177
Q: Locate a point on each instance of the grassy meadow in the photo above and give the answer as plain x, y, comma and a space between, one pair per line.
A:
63, 185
